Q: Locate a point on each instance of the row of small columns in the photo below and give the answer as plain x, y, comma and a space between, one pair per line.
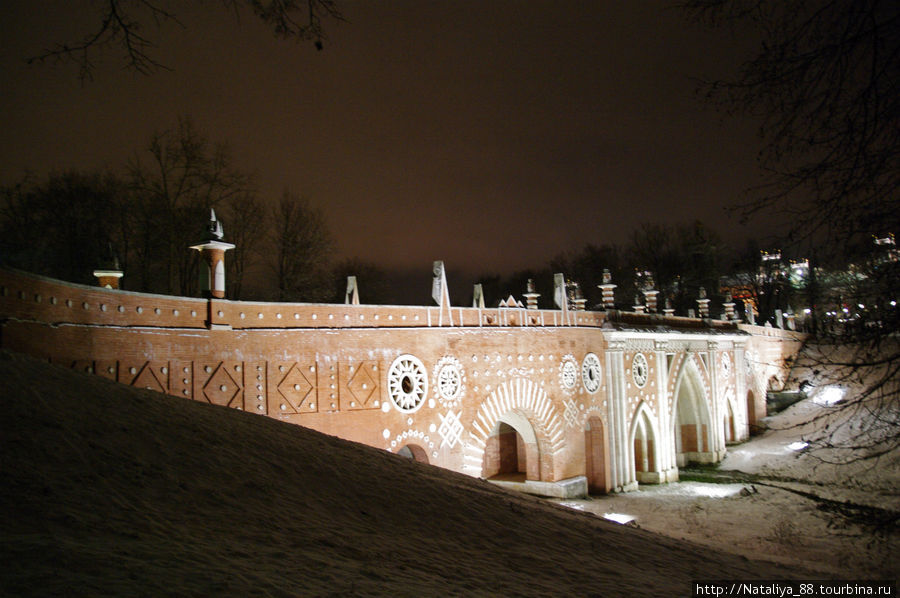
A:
567, 293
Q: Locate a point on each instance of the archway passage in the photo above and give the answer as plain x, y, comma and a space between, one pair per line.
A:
511, 451
595, 456
504, 456
644, 443
728, 423
692, 423
751, 413
414, 452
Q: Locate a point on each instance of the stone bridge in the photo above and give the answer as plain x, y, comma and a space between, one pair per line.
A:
554, 402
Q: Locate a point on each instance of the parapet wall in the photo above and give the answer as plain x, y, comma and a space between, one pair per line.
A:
30, 297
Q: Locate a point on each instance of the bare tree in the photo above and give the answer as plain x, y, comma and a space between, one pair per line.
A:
301, 247
374, 281
681, 258
586, 266
825, 83
122, 26
65, 226
244, 216
182, 176
760, 279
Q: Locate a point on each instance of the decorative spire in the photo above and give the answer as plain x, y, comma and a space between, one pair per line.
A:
214, 230
608, 290
351, 297
213, 248
440, 293
668, 310
109, 272
638, 305
702, 303
478, 296
649, 292
728, 304
559, 291
531, 297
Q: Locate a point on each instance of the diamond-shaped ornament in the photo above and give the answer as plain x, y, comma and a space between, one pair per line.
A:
149, 379
296, 389
222, 389
362, 386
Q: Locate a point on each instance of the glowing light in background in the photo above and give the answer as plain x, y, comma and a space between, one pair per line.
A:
712, 490
828, 395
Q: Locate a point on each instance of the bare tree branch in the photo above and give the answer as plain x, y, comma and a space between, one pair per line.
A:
124, 23
825, 83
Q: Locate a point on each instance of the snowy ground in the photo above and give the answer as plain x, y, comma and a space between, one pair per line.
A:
793, 509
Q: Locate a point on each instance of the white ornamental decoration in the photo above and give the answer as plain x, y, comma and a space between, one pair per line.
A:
749, 360
568, 373
407, 383
571, 413
639, 370
449, 381
451, 429
590, 372
726, 363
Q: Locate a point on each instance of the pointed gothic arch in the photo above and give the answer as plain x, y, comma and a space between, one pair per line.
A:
728, 426
644, 446
692, 431
596, 456
751, 414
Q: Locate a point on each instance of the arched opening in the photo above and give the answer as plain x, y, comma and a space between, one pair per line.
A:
595, 456
692, 422
511, 452
751, 413
644, 446
728, 423
414, 452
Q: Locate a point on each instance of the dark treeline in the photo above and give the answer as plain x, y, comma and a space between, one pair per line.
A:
674, 259
145, 216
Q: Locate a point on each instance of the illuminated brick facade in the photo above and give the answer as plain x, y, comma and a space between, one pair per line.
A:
552, 401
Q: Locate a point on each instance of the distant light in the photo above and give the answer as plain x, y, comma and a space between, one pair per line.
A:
797, 446
828, 395
807, 311
861, 306
846, 310
618, 518
893, 304
712, 490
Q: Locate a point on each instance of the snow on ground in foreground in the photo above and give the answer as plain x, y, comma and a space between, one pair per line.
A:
107, 490
783, 451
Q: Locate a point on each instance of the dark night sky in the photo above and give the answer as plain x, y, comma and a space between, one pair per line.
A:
492, 135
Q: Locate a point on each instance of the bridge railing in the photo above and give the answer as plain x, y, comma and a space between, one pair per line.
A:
27, 296
31, 297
